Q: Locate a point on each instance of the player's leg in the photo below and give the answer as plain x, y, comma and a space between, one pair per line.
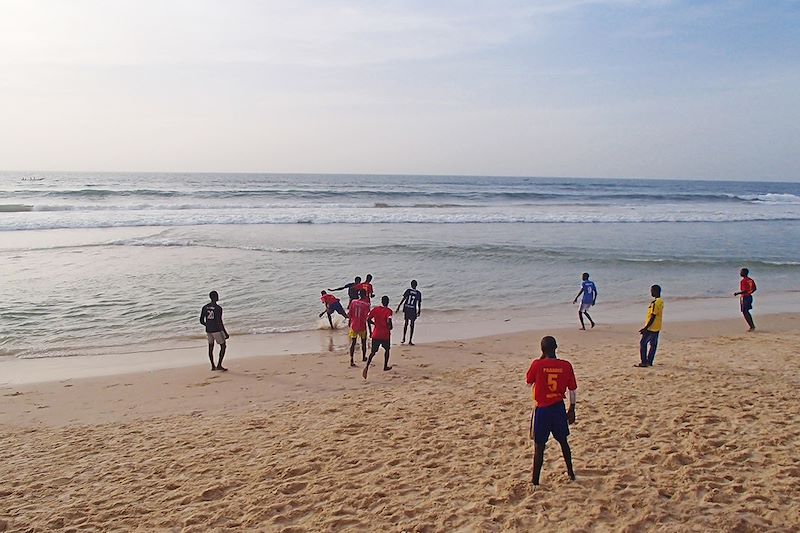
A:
651, 353
386, 356
749, 319
330, 312
560, 429
565, 450
364, 347
211, 352
372, 352
405, 330
643, 347
411, 332
538, 461
589, 317
222, 348
353, 349
580, 317
541, 432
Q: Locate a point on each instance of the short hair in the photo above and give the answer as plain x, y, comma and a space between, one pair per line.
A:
585, 276
414, 283
746, 272
213, 295
657, 289
549, 344
323, 292
385, 300
358, 279
369, 278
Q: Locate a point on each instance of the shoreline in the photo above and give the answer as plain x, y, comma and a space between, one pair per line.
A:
101, 362
291, 377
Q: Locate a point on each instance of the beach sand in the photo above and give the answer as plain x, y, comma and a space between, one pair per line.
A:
706, 440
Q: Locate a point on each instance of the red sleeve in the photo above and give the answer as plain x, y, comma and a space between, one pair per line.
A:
530, 377
371, 313
571, 383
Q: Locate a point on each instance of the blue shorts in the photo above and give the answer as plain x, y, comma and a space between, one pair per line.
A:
336, 308
747, 303
550, 419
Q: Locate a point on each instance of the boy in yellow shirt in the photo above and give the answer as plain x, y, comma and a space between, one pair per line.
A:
655, 315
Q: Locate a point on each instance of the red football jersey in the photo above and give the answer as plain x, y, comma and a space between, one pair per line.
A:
552, 378
358, 311
380, 316
329, 299
747, 286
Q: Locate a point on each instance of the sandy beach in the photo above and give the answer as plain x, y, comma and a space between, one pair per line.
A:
707, 439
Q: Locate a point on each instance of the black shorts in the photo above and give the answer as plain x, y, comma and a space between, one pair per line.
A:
377, 344
410, 313
746, 303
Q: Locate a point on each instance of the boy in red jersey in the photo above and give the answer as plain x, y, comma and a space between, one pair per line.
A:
551, 377
358, 312
369, 291
746, 289
332, 305
381, 318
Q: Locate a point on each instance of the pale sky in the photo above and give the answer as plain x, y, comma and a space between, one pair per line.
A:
594, 88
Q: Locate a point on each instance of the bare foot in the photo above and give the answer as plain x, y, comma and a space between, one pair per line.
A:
222, 368
386, 368
592, 324
352, 364
411, 343
213, 368
364, 372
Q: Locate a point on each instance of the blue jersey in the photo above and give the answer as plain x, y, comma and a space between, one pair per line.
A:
589, 292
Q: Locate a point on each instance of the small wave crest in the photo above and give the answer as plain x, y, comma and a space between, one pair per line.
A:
15, 208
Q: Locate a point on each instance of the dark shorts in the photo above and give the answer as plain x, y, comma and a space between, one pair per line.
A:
410, 313
747, 303
377, 344
551, 419
336, 308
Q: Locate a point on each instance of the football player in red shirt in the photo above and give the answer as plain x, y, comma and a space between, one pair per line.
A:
746, 289
332, 305
551, 378
381, 318
358, 311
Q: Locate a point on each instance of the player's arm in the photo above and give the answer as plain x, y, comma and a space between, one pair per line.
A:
340, 288
419, 304
530, 376
594, 297
573, 401
578, 296
572, 387
753, 287
652, 318
222, 325
203, 316
402, 301
389, 324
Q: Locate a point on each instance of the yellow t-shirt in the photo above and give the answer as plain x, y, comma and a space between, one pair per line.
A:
655, 309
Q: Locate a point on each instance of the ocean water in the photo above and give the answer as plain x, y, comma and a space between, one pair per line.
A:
108, 261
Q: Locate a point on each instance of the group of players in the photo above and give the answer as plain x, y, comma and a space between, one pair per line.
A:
550, 378
375, 322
